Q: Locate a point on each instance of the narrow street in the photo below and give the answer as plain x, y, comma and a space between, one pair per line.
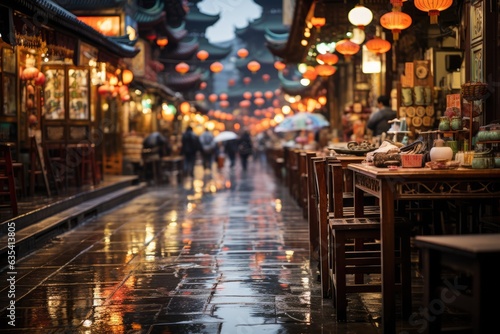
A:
225, 253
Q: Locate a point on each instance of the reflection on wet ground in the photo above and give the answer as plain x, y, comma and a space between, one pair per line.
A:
225, 253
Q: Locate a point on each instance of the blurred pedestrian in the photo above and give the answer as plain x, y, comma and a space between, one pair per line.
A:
245, 149
155, 146
208, 146
190, 147
231, 151
378, 121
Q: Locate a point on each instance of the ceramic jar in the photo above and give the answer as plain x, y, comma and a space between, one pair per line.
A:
440, 152
456, 123
444, 124
483, 160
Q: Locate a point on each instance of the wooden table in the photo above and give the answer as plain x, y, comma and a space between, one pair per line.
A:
412, 184
473, 254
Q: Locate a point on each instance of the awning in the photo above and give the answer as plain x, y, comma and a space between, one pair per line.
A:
155, 87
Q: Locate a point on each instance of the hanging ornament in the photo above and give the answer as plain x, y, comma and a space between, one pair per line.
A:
202, 55
360, 16
395, 21
433, 7
378, 45
347, 48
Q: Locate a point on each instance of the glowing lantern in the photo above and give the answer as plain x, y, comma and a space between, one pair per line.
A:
224, 104
266, 77
318, 22
203, 85
199, 97
247, 80
182, 68
202, 55
433, 7
259, 101
378, 45
268, 94
247, 95
223, 96
113, 80
360, 16
395, 21
231, 82
185, 107
327, 58
325, 70
245, 104
397, 4
162, 42
103, 89
127, 76
310, 73
151, 36
242, 53
212, 98
322, 100
253, 66
258, 94
280, 66
216, 67
347, 48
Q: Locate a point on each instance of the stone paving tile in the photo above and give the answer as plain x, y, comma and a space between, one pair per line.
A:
198, 257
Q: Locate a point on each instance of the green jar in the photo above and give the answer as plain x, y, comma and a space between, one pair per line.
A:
444, 124
456, 123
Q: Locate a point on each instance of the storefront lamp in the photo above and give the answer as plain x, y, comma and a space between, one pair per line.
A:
433, 7
360, 16
395, 21
127, 77
185, 107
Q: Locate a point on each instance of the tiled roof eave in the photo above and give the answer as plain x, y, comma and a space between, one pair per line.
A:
58, 17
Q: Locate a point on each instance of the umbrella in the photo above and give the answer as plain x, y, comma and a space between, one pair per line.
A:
302, 121
225, 135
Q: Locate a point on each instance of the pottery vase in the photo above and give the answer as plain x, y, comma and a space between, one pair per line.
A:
444, 124
440, 152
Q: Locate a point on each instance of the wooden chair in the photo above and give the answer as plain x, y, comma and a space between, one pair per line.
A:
345, 258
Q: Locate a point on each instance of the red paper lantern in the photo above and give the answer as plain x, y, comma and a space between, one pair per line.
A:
253, 66
202, 55
182, 68
378, 45
266, 77
395, 21
318, 22
203, 85
162, 42
247, 80
433, 7
280, 66
212, 98
242, 53
244, 104
327, 58
310, 73
199, 97
268, 94
325, 70
185, 107
247, 95
216, 67
259, 101
224, 104
258, 93
223, 96
231, 82
347, 48
127, 76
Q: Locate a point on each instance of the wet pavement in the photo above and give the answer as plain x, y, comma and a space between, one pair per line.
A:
226, 252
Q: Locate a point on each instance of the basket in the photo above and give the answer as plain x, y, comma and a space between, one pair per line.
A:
473, 91
411, 160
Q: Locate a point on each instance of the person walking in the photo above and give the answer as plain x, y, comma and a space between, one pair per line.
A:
231, 150
190, 147
378, 121
245, 149
207, 149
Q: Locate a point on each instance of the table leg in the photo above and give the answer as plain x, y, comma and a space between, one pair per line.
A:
387, 232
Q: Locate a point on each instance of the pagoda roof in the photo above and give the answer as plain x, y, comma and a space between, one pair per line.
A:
215, 52
152, 15
175, 12
196, 19
292, 87
60, 18
183, 82
181, 51
276, 38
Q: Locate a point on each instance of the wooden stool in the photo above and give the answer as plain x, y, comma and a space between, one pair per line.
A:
347, 258
474, 256
7, 182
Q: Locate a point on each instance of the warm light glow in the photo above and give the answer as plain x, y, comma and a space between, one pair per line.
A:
242, 53
280, 66
318, 22
162, 42
395, 21
347, 48
127, 76
358, 36
185, 107
322, 100
202, 55
310, 73
303, 42
325, 70
327, 58
216, 67
253, 66
378, 45
266, 77
199, 97
182, 68
247, 95
433, 7
247, 80
212, 97
360, 16
223, 96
